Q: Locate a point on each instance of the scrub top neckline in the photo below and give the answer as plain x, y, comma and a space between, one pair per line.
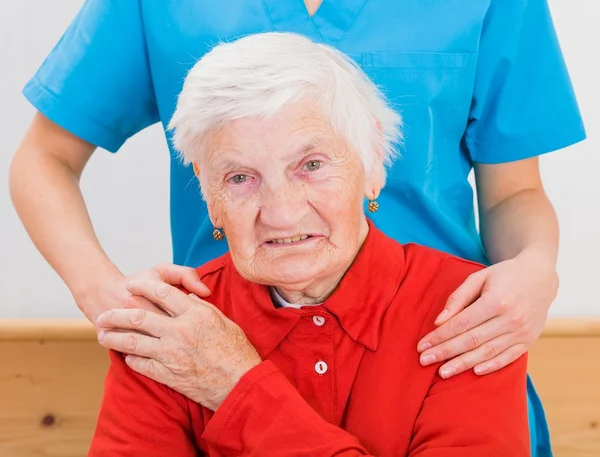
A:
330, 23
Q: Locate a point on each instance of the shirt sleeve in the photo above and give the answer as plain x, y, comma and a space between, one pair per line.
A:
523, 103
96, 81
482, 416
485, 414
141, 417
265, 415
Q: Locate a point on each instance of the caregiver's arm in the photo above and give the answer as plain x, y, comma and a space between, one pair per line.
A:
506, 304
516, 216
523, 106
44, 185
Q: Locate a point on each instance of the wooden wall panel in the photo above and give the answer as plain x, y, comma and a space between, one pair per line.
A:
52, 375
51, 382
566, 373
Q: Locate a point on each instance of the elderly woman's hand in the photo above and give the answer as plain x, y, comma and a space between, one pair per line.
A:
506, 308
196, 350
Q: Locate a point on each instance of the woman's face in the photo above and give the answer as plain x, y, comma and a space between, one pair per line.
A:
288, 193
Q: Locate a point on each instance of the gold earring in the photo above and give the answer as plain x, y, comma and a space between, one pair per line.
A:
373, 206
218, 234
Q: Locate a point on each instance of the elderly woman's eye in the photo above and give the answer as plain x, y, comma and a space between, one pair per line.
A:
313, 165
239, 179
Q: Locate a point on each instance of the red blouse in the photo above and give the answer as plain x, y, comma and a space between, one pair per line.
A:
339, 379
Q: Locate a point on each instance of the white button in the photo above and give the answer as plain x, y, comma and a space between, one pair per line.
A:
321, 367
318, 320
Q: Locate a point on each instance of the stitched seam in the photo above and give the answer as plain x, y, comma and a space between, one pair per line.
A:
336, 405
241, 397
156, 118
266, 10
60, 101
314, 25
310, 333
529, 136
353, 23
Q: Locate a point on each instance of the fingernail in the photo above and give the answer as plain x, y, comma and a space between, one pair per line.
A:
482, 369
428, 359
424, 346
194, 296
101, 336
442, 317
446, 372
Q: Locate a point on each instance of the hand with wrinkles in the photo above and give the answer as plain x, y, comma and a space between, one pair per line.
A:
194, 350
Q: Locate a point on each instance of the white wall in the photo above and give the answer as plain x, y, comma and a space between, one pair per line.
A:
137, 236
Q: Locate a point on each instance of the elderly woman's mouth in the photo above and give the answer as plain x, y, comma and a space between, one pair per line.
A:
294, 240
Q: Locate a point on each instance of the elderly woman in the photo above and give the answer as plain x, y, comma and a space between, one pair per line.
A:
307, 343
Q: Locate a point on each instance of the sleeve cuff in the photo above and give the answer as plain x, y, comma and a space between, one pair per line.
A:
217, 429
70, 118
524, 148
265, 413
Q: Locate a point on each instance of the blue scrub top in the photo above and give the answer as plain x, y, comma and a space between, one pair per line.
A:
475, 81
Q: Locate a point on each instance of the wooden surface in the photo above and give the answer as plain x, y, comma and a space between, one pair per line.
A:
52, 375
50, 393
46, 330
572, 328
566, 373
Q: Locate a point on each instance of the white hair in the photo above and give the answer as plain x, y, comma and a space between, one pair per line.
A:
256, 76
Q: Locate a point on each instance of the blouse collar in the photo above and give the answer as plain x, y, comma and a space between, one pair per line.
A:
359, 303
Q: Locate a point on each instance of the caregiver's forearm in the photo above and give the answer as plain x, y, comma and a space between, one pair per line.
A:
44, 186
524, 223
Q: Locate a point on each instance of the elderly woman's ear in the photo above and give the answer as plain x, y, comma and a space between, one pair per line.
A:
216, 222
375, 178
374, 182
196, 170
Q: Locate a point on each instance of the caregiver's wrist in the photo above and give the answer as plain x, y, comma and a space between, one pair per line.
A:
542, 261
91, 282
542, 256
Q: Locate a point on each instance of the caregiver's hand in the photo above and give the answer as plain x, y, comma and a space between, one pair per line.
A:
110, 291
493, 317
196, 350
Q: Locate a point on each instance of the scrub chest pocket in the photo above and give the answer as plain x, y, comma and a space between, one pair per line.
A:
433, 92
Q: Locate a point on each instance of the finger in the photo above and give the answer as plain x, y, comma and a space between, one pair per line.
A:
481, 354
135, 302
502, 360
209, 305
467, 293
187, 277
170, 299
148, 367
464, 343
138, 302
481, 311
140, 320
128, 342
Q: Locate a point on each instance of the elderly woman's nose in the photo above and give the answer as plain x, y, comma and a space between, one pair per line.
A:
283, 207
